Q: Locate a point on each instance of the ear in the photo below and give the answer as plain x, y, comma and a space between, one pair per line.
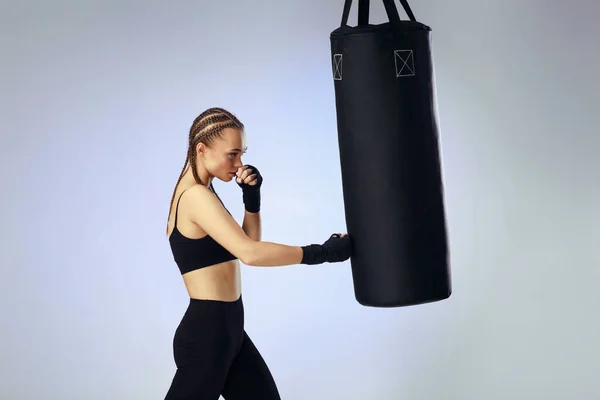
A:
200, 149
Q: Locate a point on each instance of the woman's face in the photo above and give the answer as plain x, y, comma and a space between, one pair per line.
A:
224, 156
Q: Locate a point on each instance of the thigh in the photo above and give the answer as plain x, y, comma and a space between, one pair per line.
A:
195, 383
249, 376
202, 366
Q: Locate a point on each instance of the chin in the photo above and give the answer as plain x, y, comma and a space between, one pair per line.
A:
227, 178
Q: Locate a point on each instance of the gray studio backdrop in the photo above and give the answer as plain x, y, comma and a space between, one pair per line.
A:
97, 99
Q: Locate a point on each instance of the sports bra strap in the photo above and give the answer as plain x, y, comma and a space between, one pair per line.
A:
177, 208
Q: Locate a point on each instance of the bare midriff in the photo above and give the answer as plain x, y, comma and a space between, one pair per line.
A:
218, 282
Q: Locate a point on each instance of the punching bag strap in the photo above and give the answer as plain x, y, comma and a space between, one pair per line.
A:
390, 9
363, 12
346, 13
406, 7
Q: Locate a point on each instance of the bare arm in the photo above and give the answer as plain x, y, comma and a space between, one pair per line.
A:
252, 225
269, 254
208, 213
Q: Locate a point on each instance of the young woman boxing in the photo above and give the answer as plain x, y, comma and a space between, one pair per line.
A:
213, 353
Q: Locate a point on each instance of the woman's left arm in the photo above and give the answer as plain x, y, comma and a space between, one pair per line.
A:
252, 225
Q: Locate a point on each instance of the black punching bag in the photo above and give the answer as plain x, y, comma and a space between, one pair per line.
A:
390, 158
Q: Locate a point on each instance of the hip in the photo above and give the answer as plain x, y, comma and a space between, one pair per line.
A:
210, 332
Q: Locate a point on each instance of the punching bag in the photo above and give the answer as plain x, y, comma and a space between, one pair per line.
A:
390, 159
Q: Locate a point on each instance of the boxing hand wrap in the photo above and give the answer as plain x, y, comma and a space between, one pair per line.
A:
335, 249
313, 254
251, 193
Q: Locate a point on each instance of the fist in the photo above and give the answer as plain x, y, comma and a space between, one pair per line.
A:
248, 178
246, 175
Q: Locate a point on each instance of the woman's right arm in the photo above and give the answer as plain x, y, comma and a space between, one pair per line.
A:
208, 213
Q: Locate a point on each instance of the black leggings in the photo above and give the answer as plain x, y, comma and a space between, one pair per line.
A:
215, 356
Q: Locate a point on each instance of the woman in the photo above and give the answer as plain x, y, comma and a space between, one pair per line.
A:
212, 351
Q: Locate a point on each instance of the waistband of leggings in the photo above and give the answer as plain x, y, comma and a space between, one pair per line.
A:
215, 303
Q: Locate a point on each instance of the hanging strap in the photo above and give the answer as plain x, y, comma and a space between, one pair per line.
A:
363, 12
390, 9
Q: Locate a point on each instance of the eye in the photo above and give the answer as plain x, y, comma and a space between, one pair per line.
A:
232, 155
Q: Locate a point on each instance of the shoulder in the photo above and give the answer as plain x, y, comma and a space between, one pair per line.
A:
196, 190
194, 197
199, 201
196, 193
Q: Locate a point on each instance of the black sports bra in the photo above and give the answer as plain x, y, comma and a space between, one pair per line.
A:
193, 254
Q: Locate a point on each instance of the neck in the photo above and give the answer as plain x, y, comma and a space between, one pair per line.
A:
202, 173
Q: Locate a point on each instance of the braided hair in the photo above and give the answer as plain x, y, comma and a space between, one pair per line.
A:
206, 128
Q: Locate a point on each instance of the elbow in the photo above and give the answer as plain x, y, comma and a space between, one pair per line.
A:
250, 254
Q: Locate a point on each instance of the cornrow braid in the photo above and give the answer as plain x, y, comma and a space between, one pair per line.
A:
206, 128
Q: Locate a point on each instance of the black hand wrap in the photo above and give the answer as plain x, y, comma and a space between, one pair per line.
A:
251, 194
335, 249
